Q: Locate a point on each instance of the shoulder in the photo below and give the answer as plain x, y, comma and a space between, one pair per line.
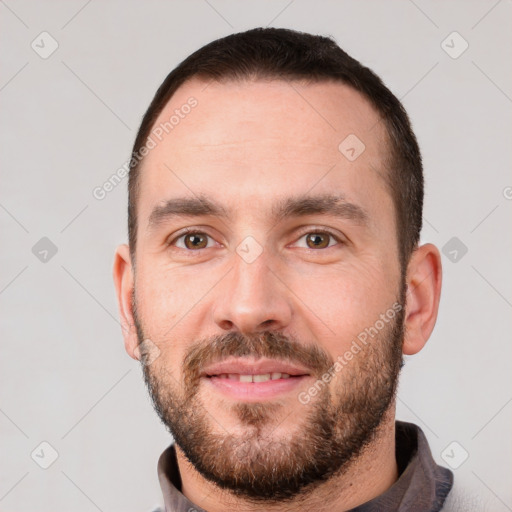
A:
461, 499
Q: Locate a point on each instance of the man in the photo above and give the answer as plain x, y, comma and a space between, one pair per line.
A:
274, 279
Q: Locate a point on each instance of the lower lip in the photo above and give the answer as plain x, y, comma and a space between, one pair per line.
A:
253, 391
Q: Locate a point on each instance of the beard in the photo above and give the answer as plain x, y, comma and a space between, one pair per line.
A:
251, 461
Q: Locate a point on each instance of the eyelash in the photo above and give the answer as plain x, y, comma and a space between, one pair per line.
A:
185, 232
189, 231
320, 231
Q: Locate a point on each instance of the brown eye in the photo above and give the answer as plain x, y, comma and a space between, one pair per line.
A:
192, 241
195, 240
318, 240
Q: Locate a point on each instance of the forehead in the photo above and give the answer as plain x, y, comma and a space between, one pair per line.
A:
258, 140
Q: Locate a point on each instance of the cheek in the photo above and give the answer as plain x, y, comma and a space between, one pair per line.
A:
158, 311
170, 304
341, 302
166, 295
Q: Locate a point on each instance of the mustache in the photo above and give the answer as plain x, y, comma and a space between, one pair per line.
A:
268, 344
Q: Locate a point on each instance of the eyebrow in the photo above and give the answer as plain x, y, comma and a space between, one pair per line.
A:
198, 206
299, 206
324, 204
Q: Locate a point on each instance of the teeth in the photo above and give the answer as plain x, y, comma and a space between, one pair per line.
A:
261, 378
254, 378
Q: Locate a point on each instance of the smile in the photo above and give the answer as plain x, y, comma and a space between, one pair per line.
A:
263, 377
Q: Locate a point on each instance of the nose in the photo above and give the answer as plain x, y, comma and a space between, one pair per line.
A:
252, 298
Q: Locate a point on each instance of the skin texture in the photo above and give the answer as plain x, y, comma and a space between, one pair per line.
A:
248, 145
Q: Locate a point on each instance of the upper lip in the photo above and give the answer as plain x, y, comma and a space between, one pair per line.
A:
253, 367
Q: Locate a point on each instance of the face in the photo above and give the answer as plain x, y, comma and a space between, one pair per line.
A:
267, 285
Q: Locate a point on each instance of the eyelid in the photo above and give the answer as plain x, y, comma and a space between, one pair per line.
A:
322, 230
185, 231
304, 231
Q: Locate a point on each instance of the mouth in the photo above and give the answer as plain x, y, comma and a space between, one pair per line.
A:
250, 380
262, 377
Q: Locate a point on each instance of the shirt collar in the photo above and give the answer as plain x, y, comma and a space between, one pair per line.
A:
422, 485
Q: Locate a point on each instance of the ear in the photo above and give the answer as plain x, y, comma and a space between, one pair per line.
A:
424, 277
124, 282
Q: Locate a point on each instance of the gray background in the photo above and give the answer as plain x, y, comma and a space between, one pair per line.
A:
68, 122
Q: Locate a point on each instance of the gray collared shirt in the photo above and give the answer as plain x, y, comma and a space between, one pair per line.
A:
422, 485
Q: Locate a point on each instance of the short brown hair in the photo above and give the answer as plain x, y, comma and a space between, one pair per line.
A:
278, 53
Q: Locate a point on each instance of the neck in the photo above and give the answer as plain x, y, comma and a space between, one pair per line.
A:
369, 476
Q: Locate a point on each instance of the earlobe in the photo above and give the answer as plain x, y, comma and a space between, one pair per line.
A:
124, 282
424, 279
